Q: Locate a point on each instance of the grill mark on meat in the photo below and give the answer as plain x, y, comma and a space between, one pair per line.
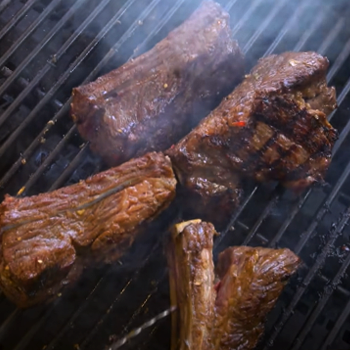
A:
255, 155
272, 127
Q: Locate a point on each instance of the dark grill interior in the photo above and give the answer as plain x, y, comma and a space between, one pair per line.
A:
48, 47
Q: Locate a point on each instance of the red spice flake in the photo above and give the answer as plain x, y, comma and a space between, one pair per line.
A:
239, 124
217, 286
172, 146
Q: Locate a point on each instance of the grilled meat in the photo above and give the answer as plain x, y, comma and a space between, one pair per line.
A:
191, 273
47, 239
271, 127
149, 103
231, 313
251, 280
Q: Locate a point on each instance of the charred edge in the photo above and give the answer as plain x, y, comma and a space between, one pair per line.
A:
256, 159
299, 115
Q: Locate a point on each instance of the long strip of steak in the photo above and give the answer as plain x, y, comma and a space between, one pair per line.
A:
47, 239
191, 275
231, 313
273, 126
149, 103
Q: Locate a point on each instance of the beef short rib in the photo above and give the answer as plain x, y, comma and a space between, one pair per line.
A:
47, 239
149, 103
228, 313
273, 126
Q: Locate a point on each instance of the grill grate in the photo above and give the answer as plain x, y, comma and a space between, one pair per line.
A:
47, 47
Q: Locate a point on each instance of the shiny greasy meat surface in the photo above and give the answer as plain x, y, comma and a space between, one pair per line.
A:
273, 126
149, 103
46, 240
230, 313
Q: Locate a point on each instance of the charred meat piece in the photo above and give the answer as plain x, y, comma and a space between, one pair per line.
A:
229, 314
149, 103
273, 126
47, 239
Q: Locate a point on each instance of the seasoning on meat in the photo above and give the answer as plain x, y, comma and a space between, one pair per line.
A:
152, 101
273, 126
229, 314
46, 240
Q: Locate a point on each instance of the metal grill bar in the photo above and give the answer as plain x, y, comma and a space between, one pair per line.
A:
229, 5
320, 16
340, 60
4, 4
243, 20
22, 345
335, 330
289, 24
320, 259
331, 36
56, 86
237, 213
19, 15
33, 54
329, 288
71, 167
9, 322
275, 10
272, 203
29, 31
89, 299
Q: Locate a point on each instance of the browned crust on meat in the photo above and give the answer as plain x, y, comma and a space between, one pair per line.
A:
231, 314
273, 126
251, 281
47, 239
191, 274
149, 103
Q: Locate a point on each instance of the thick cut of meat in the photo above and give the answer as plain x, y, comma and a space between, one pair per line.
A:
273, 126
251, 280
47, 239
191, 273
231, 313
149, 103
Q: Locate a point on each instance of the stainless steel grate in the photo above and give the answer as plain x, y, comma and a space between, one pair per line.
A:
48, 47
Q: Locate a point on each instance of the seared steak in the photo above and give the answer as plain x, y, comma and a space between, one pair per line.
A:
149, 103
231, 313
47, 239
272, 127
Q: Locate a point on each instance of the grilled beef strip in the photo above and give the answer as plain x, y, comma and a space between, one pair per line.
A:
191, 275
152, 101
273, 126
47, 240
251, 281
229, 314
